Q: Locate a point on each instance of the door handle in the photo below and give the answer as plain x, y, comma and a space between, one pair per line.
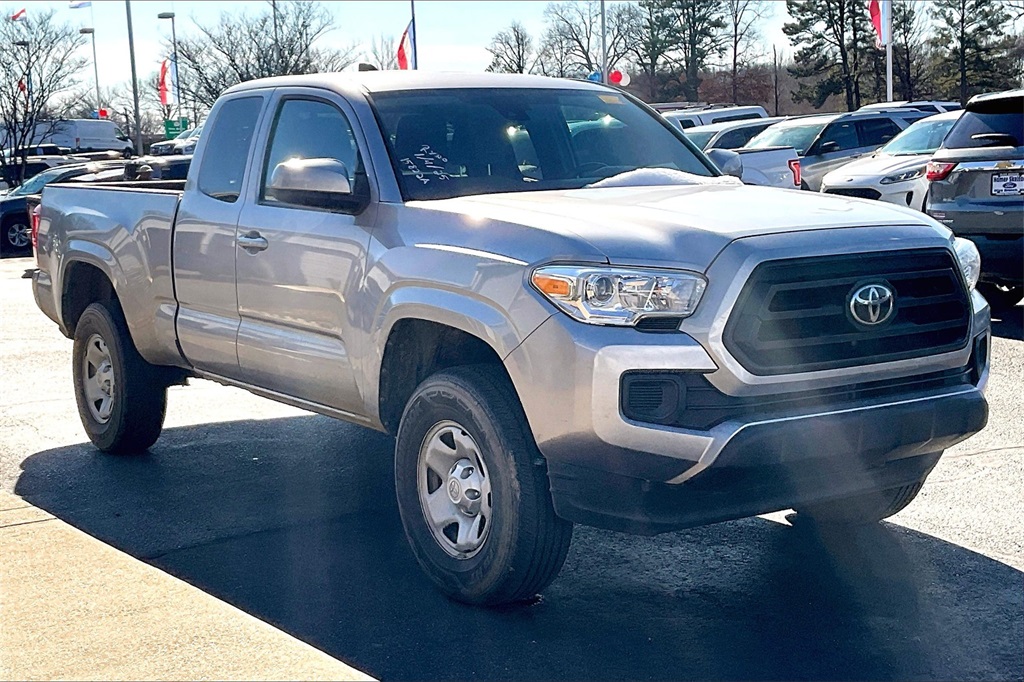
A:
252, 241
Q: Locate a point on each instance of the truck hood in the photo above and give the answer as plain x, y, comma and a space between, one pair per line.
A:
875, 166
677, 226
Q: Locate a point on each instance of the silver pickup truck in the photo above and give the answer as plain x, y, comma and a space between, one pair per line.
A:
552, 299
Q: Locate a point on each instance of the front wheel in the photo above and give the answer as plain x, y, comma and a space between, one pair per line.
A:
121, 398
861, 509
473, 490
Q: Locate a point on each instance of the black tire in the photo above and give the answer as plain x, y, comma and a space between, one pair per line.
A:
526, 544
862, 509
127, 152
138, 399
1001, 297
16, 236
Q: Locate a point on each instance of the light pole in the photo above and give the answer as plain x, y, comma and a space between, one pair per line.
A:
174, 44
95, 66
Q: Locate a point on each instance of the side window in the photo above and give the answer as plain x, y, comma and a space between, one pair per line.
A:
734, 139
876, 132
843, 134
310, 129
223, 166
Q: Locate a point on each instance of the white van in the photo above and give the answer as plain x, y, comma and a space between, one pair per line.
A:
84, 135
689, 118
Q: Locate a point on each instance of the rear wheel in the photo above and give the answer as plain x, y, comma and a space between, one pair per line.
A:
121, 398
473, 490
1000, 296
861, 509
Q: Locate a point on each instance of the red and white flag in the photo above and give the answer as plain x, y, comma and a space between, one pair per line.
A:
881, 11
407, 48
19, 15
166, 85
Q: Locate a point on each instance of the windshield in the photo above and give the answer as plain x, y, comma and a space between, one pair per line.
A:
461, 141
799, 136
999, 124
184, 133
700, 139
923, 137
35, 184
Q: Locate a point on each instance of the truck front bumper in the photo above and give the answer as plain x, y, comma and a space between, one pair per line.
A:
828, 438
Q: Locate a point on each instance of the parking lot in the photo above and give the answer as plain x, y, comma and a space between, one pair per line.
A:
291, 517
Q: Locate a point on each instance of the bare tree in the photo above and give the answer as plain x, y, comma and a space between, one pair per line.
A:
742, 18
236, 49
37, 82
574, 36
909, 47
383, 54
511, 50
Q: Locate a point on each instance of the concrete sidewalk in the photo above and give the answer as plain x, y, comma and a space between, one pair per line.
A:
72, 607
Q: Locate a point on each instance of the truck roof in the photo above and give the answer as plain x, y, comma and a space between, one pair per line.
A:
385, 81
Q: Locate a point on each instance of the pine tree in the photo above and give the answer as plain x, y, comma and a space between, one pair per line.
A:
830, 37
972, 33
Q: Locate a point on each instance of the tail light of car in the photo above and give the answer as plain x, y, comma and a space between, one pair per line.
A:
794, 166
938, 170
35, 226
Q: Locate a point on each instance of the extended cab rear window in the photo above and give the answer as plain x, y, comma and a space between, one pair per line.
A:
227, 151
454, 142
991, 124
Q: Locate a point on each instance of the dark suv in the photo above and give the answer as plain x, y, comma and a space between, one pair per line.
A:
976, 188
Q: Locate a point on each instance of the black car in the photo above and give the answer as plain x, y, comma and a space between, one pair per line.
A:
15, 230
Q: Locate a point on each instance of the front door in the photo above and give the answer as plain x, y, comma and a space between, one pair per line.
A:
299, 268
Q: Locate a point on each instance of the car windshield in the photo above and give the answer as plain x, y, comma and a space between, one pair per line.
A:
184, 133
35, 184
799, 136
454, 142
999, 123
923, 137
700, 139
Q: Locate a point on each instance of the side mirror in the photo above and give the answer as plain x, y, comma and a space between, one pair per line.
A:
728, 161
828, 147
317, 183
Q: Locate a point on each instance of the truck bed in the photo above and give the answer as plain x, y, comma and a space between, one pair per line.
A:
125, 229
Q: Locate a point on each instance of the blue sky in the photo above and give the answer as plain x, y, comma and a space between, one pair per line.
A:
453, 35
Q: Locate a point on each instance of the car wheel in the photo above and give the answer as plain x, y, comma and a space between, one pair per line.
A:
473, 490
861, 509
121, 399
17, 235
1001, 297
127, 152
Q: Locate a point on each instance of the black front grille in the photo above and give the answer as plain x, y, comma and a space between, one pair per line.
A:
793, 315
859, 192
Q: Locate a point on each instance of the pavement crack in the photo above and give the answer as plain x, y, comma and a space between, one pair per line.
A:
24, 523
989, 451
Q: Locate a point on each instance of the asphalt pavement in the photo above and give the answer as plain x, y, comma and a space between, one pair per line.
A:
291, 518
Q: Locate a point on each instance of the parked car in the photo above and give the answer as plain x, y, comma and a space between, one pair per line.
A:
930, 106
166, 147
627, 340
37, 150
729, 134
33, 167
690, 118
159, 167
827, 141
15, 225
896, 172
977, 189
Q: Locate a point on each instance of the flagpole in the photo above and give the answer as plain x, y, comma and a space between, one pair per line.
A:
415, 60
604, 48
888, 53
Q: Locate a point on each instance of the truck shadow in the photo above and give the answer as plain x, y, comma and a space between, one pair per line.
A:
1009, 324
293, 521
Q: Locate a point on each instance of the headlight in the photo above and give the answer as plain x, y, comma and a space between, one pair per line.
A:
189, 148
619, 296
970, 260
904, 176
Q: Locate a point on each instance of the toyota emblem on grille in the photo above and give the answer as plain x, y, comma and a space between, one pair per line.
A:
872, 304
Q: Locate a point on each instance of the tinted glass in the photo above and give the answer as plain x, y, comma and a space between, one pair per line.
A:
843, 134
310, 129
460, 141
977, 129
734, 139
799, 136
923, 137
877, 131
36, 184
227, 151
701, 139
